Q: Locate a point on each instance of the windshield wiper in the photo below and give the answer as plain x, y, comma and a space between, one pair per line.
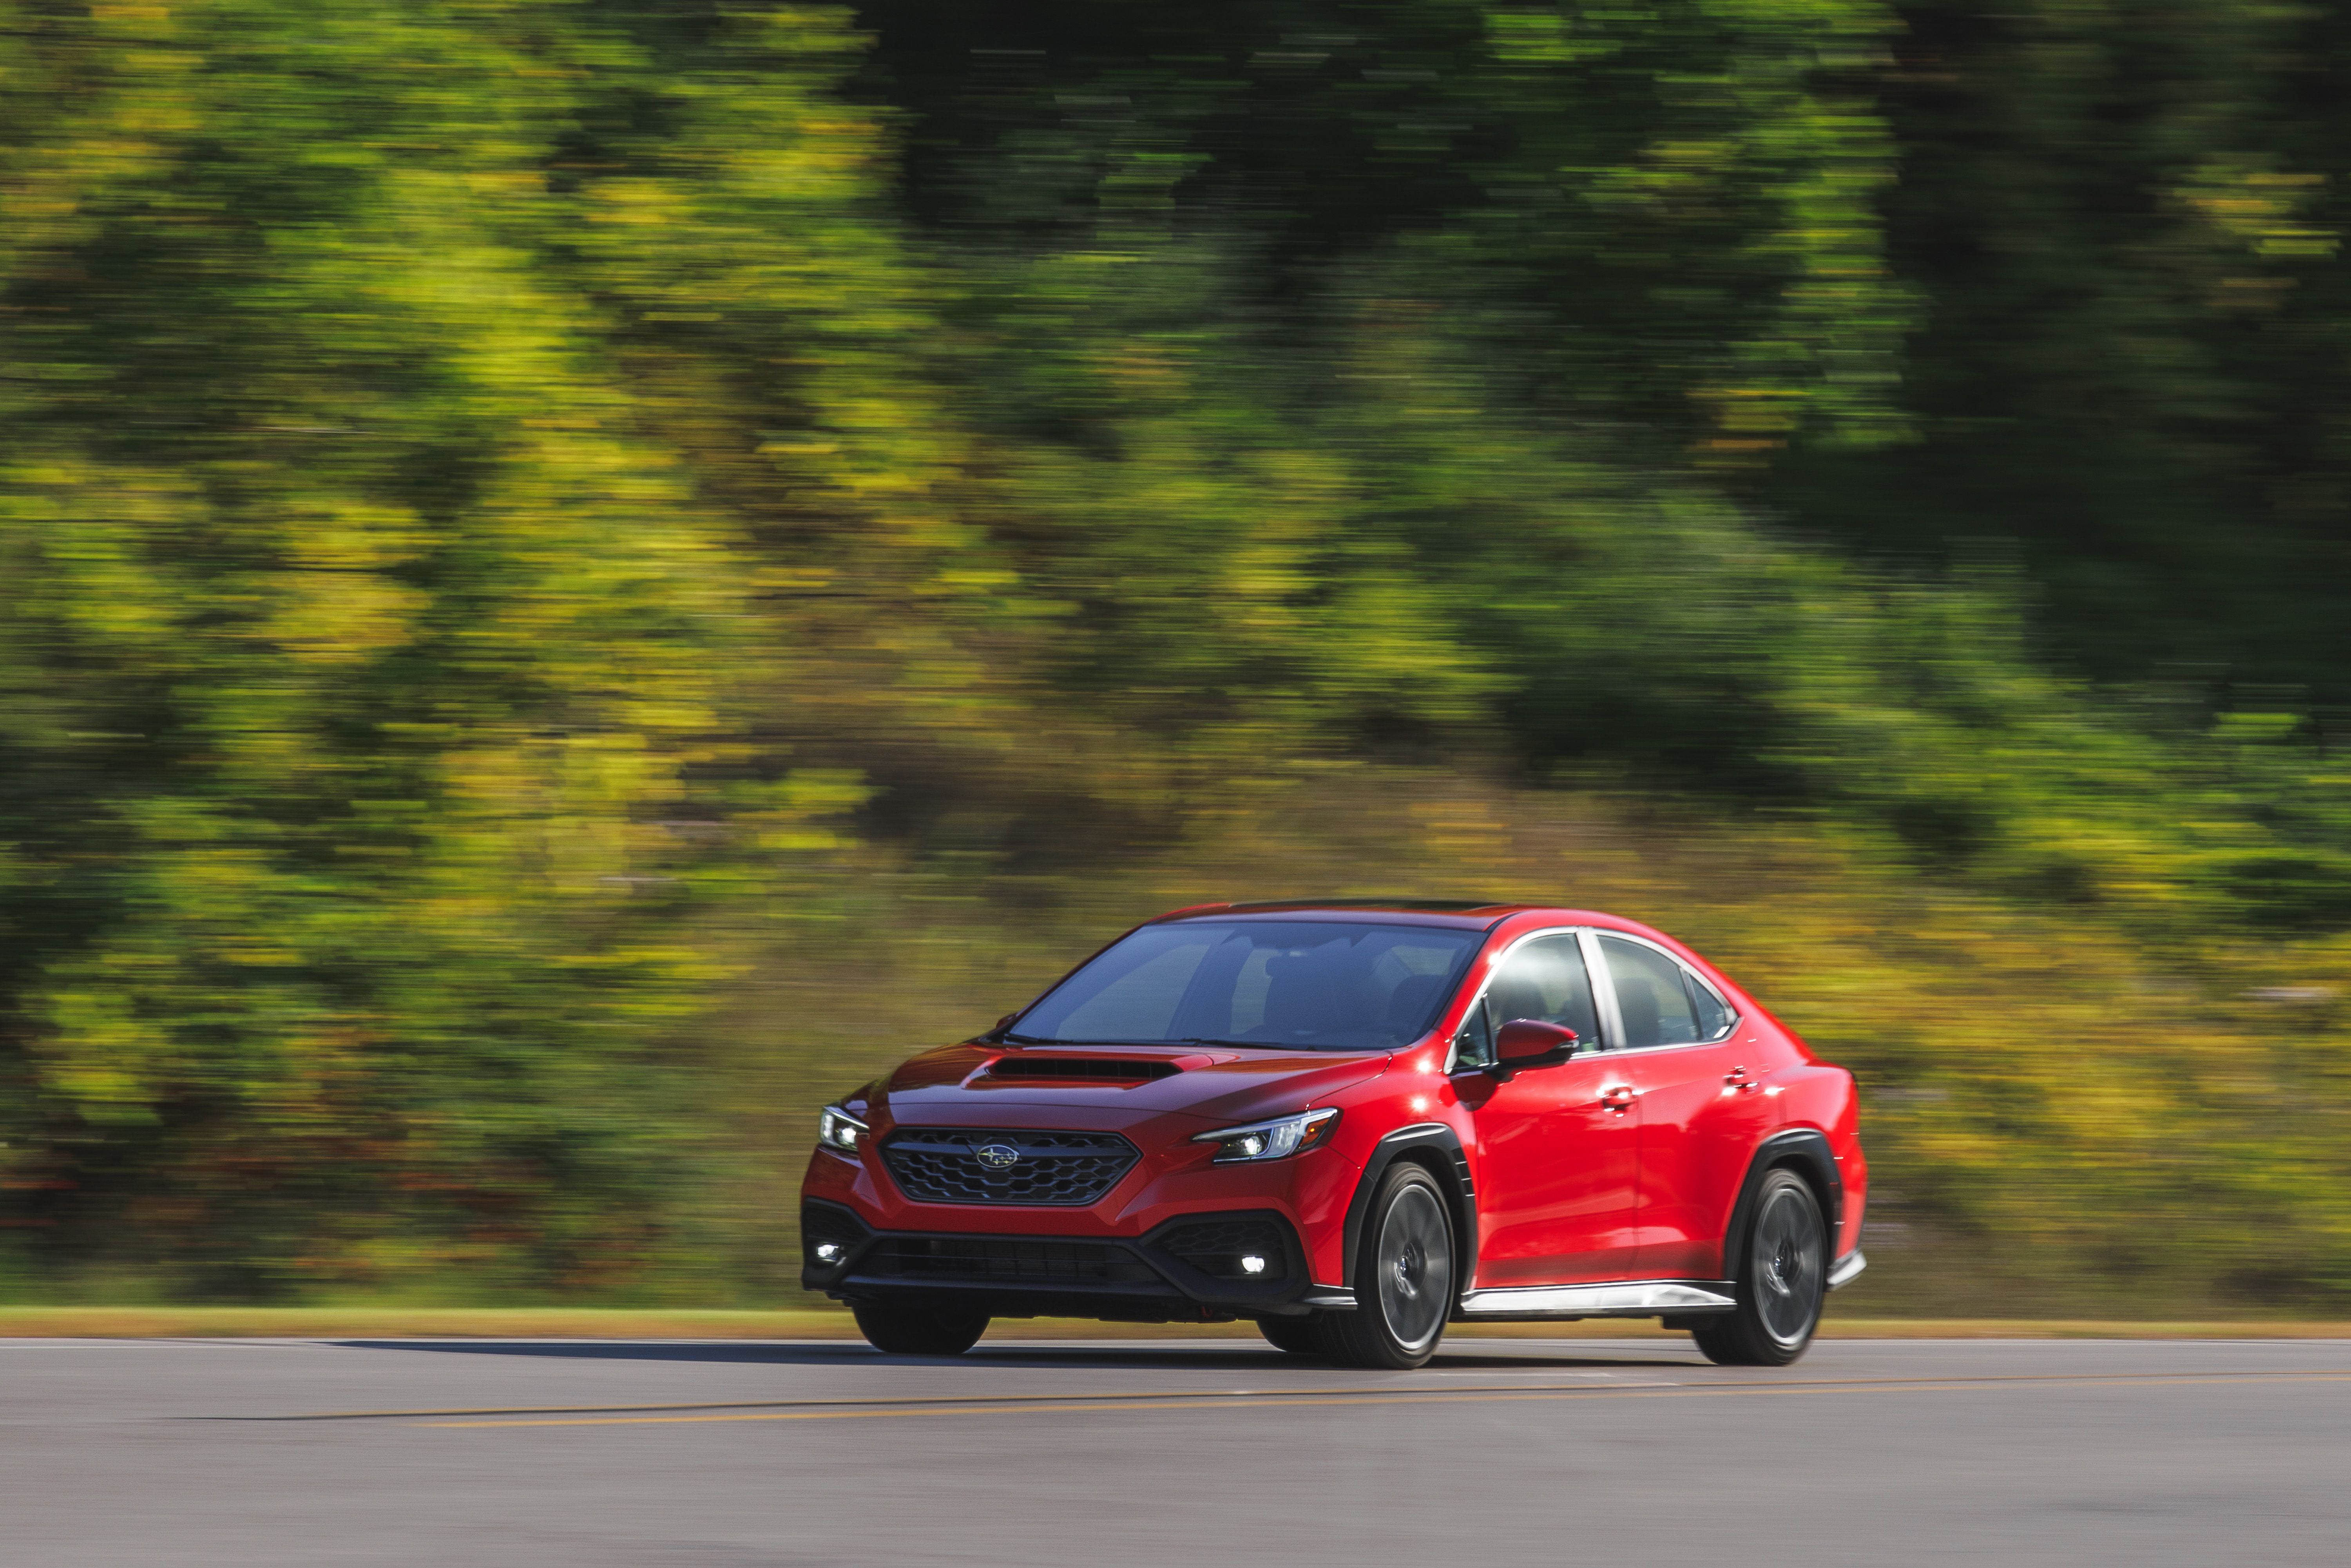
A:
1032, 1040
1244, 1044
1162, 1044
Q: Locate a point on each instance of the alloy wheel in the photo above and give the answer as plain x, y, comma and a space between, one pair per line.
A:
1415, 1268
1789, 1249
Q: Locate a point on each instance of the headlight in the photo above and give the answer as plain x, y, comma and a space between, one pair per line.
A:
839, 1131
1274, 1140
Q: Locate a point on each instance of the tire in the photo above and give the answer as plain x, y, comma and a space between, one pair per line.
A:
1299, 1336
910, 1328
1782, 1277
1404, 1277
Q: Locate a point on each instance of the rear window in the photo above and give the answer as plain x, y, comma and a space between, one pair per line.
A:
1661, 1002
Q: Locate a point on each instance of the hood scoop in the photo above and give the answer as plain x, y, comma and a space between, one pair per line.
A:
1082, 1069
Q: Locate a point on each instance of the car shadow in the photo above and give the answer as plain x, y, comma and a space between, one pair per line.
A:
1211, 1355
796, 1352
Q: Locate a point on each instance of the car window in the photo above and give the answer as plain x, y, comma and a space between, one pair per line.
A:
1474, 1046
1651, 995
1714, 1015
1542, 979
1298, 985
1135, 988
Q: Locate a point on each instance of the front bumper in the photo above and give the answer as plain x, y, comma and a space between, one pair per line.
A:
1189, 1268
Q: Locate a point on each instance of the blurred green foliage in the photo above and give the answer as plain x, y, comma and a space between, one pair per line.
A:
579, 573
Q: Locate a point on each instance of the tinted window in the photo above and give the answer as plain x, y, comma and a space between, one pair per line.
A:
1543, 979
1714, 1016
1650, 994
1474, 1046
1310, 985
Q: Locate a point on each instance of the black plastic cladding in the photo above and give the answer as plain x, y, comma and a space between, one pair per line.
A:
939, 1164
828, 1222
1216, 1247
1811, 1156
1188, 1264
1007, 1260
1451, 1169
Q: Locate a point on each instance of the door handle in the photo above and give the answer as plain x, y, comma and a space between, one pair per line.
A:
1618, 1099
1738, 1079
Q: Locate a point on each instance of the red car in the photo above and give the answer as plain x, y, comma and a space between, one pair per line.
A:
1353, 1123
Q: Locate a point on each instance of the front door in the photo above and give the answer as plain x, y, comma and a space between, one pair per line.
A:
1557, 1159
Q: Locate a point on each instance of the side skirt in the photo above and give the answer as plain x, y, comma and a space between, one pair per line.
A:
1631, 1299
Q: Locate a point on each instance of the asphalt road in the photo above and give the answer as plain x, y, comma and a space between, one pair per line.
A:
436, 1453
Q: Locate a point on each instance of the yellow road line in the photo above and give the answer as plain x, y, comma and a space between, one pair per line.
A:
1064, 1404
1117, 1395
861, 1401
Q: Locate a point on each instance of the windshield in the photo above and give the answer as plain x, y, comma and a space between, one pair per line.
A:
1298, 985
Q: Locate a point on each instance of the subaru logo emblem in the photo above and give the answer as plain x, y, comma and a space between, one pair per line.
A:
996, 1156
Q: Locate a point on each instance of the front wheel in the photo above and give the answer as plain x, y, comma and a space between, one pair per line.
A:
1404, 1277
1782, 1275
910, 1328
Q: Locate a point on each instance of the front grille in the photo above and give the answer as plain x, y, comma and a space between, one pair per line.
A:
943, 1165
999, 1261
1084, 1069
1218, 1246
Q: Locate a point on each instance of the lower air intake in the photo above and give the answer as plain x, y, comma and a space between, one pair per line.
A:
1222, 1247
996, 1260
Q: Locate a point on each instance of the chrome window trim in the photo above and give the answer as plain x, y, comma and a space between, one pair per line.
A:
1604, 989
1596, 951
1603, 992
1604, 1010
1653, 1050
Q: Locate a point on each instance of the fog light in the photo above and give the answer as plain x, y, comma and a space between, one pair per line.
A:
829, 1252
1252, 1265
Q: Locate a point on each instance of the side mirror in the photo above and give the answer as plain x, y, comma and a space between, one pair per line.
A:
1530, 1043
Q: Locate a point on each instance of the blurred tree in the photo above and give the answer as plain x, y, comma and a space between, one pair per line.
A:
2122, 221
369, 627
485, 491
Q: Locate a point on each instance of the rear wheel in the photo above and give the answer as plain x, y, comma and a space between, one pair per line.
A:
912, 1328
1782, 1275
1299, 1336
1404, 1277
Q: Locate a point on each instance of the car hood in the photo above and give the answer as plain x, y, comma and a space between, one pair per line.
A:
977, 1085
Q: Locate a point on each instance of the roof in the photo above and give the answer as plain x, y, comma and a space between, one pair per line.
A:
1470, 913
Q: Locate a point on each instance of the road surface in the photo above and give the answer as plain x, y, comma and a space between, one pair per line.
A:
444, 1454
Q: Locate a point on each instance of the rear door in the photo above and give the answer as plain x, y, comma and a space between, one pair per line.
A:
1702, 1106
1557, 1159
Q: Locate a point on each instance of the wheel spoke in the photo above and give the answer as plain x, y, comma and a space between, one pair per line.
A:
1787, 1265
1415, 1268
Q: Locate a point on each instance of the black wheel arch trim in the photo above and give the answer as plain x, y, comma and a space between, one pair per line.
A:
1451, 1170
1809, 1152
